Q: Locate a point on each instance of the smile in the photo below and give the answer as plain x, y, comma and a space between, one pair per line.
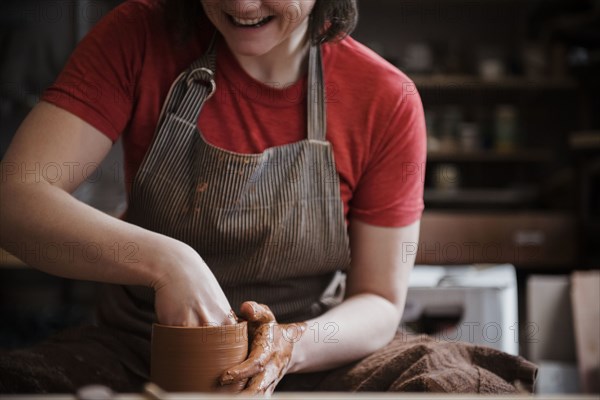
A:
249, 23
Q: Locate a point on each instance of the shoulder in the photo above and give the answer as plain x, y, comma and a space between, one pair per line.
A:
360, 66
361, 79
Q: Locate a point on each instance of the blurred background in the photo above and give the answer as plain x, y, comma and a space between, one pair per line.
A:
509, 254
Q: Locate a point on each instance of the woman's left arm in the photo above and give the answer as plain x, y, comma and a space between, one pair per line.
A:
367, 319
376, 287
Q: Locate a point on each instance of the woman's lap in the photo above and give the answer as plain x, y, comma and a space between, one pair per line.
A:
410, 363
67, 361
421, 363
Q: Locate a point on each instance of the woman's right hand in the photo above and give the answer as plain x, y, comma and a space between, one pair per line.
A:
186, 291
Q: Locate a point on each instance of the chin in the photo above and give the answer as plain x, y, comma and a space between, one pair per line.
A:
250, 49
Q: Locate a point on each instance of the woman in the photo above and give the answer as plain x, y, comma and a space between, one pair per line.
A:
247, 193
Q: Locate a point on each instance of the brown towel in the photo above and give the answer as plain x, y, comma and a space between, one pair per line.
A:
69, 360
422, 363
410, 363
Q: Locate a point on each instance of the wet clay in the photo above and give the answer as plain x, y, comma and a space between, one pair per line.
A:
192, 359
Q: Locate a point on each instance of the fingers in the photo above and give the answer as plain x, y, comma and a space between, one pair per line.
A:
187, 318
232, 319
254, 312
264, 382
260, 367
271, 388
261, 353
252, 366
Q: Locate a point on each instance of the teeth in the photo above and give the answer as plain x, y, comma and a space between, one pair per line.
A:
242, 21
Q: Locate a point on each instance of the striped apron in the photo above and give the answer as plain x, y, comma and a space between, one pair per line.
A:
270, 226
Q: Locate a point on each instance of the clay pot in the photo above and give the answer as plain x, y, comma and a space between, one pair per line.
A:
192, 359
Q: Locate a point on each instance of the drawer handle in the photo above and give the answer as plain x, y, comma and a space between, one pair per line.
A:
530, 238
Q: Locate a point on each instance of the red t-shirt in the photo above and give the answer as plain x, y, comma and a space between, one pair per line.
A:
119, 76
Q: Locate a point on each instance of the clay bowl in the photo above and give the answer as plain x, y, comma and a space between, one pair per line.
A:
192, 359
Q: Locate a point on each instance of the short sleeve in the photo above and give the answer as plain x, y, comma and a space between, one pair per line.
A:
390, 190
98, 81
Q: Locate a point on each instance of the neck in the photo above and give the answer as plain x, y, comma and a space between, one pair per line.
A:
283, 65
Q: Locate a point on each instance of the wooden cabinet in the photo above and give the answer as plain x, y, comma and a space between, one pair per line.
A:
525, 239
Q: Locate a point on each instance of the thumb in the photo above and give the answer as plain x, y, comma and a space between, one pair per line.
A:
255, 312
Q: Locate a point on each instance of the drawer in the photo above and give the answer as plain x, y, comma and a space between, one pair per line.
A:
520, 238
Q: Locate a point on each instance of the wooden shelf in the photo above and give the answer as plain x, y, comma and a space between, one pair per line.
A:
585, 140
522, 156
462, 82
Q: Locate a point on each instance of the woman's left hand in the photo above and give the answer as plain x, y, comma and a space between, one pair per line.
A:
271, 350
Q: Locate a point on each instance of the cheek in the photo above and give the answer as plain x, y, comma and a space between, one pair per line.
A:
212, 11
295, 12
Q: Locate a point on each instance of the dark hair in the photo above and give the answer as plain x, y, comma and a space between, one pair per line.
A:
330, 20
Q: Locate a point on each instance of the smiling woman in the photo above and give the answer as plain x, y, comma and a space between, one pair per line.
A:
289, 211
268, 38
328, 21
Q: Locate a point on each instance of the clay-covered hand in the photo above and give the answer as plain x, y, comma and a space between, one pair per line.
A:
270, 350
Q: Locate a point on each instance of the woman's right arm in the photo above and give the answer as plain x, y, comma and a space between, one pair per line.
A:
41, 223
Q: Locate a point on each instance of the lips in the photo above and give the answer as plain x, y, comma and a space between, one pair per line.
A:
249, 23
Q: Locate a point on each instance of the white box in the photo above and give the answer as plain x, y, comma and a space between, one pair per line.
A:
479, 302
550, 319
556, 377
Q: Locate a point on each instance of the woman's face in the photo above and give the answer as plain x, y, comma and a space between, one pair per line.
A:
255, 27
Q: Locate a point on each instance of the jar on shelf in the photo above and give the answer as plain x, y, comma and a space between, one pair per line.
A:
469, 137
433, 137
449, 124
446, 177
505, 128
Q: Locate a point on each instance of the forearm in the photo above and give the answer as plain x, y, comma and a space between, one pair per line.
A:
51, 230
356, 328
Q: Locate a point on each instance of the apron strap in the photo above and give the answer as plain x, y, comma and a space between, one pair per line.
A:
197, 85
316, 113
